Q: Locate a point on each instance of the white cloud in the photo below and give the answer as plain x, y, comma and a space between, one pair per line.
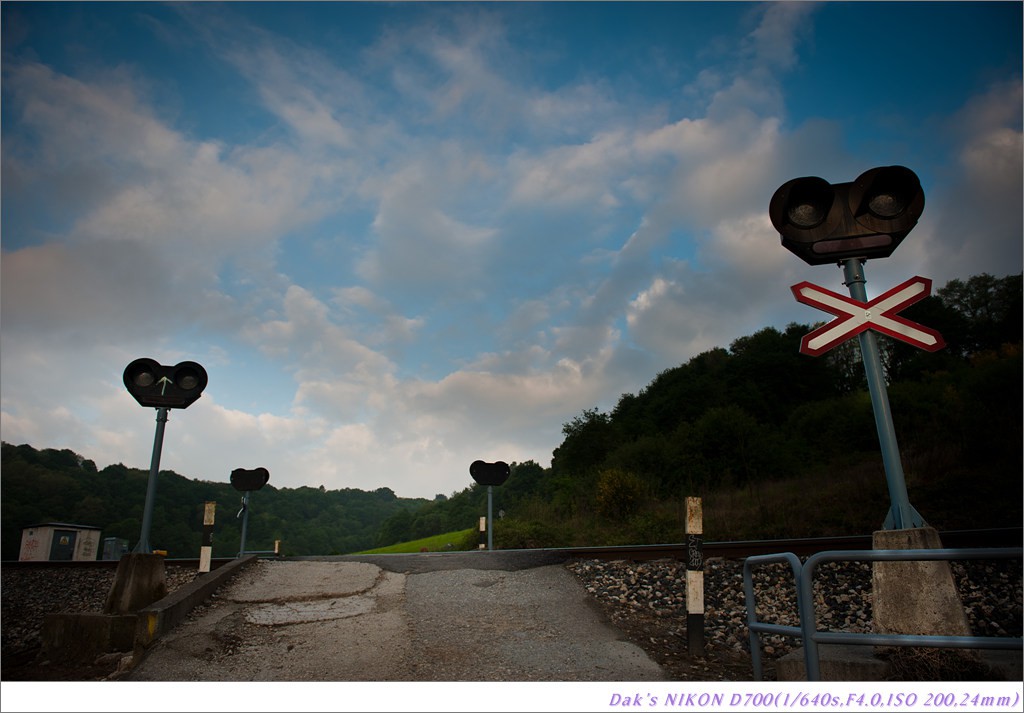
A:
978, 224
493, 252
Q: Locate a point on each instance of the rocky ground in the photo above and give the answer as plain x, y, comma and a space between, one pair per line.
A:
646, 600
30, 593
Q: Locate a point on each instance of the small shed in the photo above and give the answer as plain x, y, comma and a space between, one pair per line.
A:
59, 541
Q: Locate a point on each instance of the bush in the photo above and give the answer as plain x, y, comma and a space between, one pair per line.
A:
620, 493
512, 534
652, 528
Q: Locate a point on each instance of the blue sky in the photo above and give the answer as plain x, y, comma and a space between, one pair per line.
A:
404, 237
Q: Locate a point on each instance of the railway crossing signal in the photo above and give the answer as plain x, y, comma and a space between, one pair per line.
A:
153, 384
822, 222
247, 481
879, 314
846, 224
489, 473
162, 387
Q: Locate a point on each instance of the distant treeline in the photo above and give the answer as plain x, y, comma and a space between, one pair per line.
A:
60, 486
737, 418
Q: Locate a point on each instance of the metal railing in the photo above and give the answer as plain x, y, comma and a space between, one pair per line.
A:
808, 628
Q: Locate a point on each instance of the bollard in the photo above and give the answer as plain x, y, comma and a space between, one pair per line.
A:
206, 550
695, 576
483, 533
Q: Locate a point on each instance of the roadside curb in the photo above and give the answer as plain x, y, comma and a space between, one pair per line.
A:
157, 619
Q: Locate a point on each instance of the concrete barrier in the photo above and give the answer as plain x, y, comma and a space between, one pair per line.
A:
915, 597
162, 616
141, 579
83, 637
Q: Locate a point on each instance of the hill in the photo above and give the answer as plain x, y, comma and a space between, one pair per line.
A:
776, 443
60, 486
779, 444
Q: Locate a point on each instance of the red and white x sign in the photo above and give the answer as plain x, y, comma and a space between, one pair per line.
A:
879, 314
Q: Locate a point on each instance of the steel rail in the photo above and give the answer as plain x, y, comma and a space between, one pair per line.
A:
739, 549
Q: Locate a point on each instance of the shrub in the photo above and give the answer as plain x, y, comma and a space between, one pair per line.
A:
620, 493
512, 534
653, 528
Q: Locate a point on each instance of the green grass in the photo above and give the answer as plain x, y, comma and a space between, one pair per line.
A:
459, 540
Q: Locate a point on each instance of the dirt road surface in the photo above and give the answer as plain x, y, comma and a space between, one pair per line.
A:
472, 617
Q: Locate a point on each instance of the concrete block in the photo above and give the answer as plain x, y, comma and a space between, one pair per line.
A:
1004, 665
861, 663
915, 597
83, 637
141, 579
836, 663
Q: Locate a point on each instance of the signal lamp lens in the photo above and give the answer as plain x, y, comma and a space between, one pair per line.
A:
186, 379
143, 378
806, 215
808, 203
886, 205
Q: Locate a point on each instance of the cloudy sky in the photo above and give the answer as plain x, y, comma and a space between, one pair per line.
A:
404, 237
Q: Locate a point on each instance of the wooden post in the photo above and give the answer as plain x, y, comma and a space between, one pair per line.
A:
206, 551
695, 576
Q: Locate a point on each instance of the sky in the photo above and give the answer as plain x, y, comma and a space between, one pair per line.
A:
402, 237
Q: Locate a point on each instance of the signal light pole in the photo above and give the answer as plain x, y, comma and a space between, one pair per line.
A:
247, 481
489, 474
846, 224
902, 514
163, 387
154, 467
849, 223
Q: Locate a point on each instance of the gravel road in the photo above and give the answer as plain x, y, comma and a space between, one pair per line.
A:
353, 621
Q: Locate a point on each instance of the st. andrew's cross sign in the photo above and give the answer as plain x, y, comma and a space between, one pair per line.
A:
879, 314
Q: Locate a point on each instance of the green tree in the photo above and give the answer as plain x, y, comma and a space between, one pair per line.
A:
620, 494
588, 439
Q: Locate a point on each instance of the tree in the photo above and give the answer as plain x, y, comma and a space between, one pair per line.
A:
991, 309
588, 439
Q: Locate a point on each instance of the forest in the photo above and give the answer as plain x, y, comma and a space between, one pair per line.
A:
777, 443
51, 485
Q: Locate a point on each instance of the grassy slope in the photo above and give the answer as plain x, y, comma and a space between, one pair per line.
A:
460, 540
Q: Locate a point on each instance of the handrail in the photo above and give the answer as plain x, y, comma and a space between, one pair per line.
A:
754, 627
808, 631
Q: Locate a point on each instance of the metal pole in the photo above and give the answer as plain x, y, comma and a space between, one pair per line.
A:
245, 521
154, 467
490, 519
902, 514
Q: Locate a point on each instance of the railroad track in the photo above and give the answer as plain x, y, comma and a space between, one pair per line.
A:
955, 539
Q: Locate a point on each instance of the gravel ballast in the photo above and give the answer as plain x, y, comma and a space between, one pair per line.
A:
645, 601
